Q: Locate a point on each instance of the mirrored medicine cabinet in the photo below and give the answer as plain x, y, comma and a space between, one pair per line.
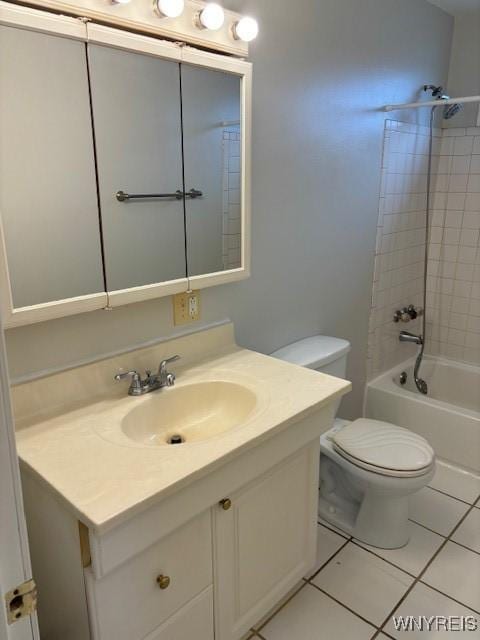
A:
124, 167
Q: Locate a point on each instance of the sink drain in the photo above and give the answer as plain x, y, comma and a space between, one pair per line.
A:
176, 439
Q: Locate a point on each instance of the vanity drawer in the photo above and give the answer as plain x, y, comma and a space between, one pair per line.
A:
193, 621
133, 600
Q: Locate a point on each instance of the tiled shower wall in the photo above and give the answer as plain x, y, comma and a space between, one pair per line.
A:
400, 246
231, 235
453, 287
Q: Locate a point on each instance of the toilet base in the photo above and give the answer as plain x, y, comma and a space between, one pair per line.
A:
383, 522
382, 525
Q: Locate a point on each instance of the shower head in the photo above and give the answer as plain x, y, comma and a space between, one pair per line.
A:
437, 91
451, 110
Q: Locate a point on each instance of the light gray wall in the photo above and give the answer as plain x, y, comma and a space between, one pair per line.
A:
464, 74
322, 70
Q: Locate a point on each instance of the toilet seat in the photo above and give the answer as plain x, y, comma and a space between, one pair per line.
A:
383, 448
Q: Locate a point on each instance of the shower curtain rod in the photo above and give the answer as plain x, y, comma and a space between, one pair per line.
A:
431, 103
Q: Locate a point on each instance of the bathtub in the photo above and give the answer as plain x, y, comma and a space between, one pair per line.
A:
448, 417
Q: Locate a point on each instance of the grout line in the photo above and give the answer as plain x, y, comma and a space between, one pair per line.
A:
342, 535
464, 546
450, 496
449, 597
424, 526
329, 559
379, 631
392, 564
369, 622
422, 573
275, 611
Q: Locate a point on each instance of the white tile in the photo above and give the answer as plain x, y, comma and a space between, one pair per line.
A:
436, 510
423, 601
468, 533
311, 615
474, 163
363, 582
463, 146
458, 183
472, 202
328, 543
456, 482
460, 164
473, 183
456, 572
278, 605
414, 556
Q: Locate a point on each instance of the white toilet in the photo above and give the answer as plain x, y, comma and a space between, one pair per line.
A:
368, 468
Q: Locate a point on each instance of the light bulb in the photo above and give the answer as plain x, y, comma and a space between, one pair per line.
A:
245, 29
211, 17
169, 8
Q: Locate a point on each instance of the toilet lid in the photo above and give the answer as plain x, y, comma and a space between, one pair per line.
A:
384, 446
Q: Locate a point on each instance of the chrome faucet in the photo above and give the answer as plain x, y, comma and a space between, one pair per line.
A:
406, 336
138, 386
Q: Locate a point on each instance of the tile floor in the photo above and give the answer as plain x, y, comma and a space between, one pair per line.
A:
355, 590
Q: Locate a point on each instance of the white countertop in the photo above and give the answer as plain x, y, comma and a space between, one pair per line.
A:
105, 480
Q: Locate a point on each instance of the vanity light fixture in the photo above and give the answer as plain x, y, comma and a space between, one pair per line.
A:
211, 17
169, 8
246, 29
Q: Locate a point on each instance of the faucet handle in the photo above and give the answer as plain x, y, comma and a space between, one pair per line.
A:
136, 379
163, 363
125, 374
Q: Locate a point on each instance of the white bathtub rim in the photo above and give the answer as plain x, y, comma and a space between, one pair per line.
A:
385, 382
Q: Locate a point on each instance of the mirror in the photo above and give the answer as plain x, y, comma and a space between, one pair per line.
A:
121, 169
175, 217
211, 129
136, 116
48, 198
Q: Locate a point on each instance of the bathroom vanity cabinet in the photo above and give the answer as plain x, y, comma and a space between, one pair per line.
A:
133, 538
165, 575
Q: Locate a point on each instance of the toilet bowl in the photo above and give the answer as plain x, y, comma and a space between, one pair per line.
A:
368, 468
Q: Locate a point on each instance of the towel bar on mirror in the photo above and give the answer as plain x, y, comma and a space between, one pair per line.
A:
178, 195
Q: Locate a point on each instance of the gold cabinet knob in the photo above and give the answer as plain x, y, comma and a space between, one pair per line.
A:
226, 503
163, 581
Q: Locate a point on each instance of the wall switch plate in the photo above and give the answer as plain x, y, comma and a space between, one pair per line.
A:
186, 307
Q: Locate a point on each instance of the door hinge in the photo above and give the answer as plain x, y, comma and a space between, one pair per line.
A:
21, 601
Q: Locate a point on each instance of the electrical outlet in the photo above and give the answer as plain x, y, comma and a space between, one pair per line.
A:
186, 307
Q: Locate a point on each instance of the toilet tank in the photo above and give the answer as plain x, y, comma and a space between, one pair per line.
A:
322, 353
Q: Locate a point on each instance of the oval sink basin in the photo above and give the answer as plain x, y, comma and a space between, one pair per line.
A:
190, 413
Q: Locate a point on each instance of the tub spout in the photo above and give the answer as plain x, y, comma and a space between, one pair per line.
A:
406, 336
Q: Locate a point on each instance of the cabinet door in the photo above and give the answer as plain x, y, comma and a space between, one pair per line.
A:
48, 193
265, 542
136, 115
211, 125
